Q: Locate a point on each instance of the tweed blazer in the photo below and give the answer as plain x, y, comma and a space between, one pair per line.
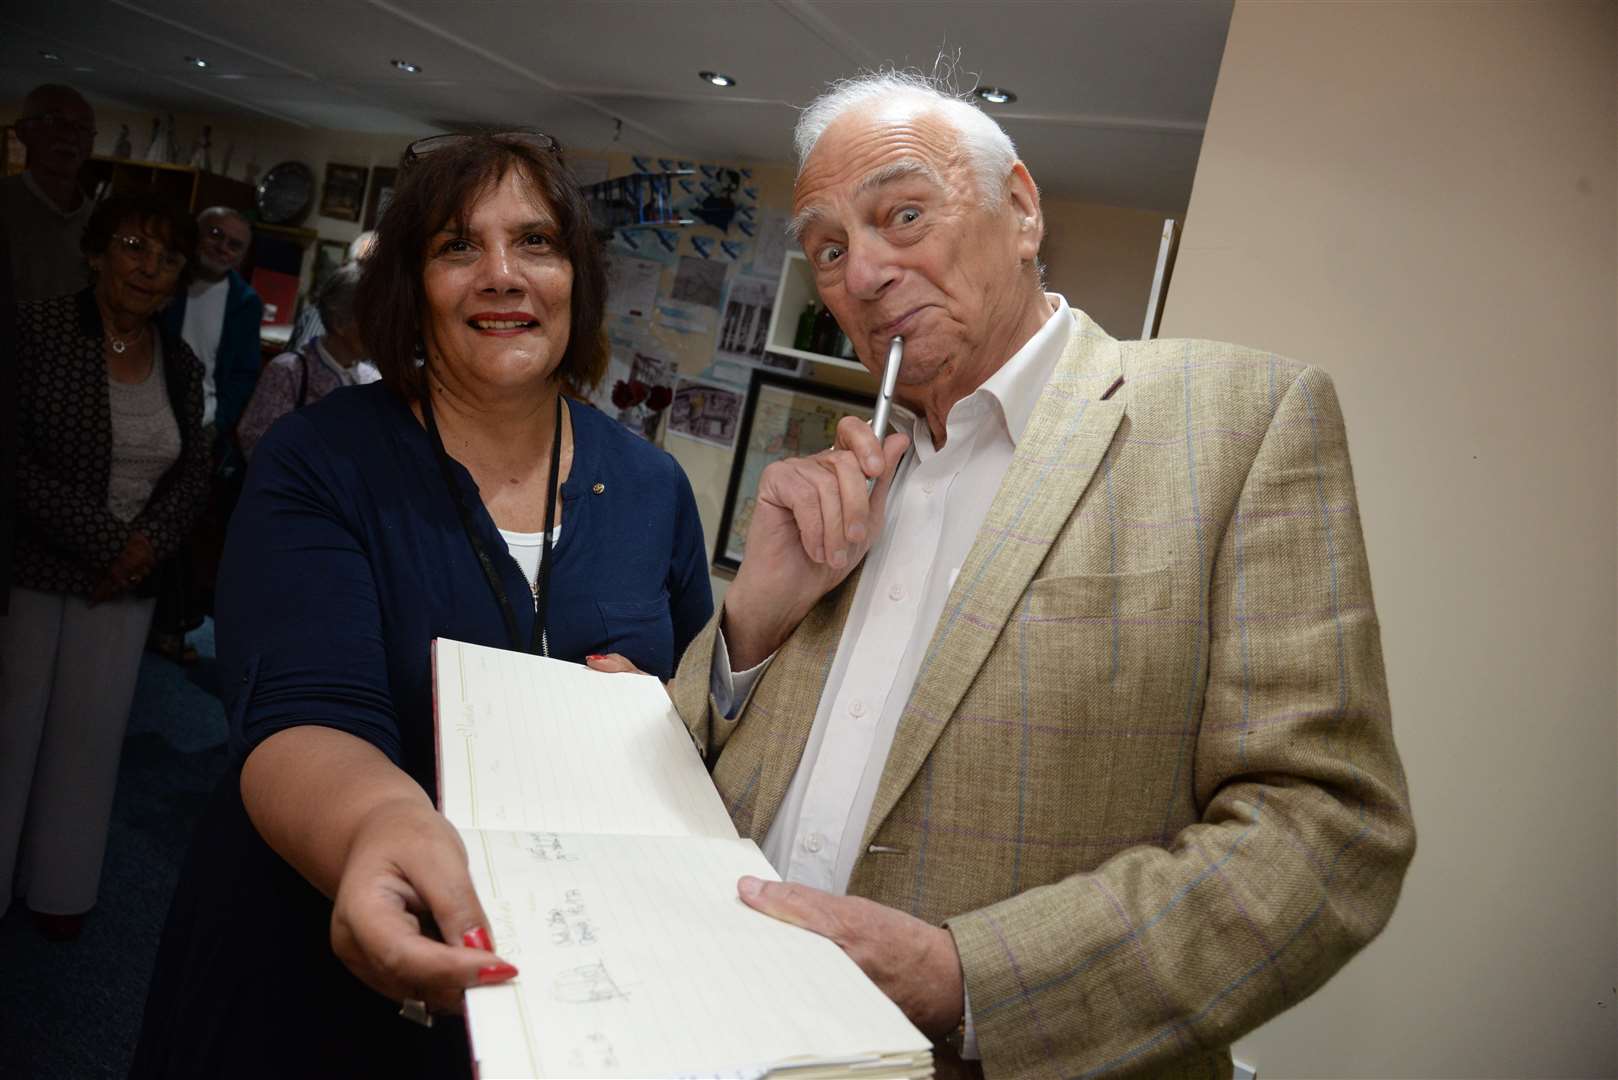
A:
66, 535
1146, 775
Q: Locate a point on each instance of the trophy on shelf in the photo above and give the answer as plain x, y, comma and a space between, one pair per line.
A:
171, 145
123, 148
154, 147
201, 150
224, 162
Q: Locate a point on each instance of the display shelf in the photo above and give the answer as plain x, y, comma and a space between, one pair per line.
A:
796, 291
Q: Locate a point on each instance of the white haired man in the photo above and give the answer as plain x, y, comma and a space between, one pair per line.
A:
43, 209
1073, 733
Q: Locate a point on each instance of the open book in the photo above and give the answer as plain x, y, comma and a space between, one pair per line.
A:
607, 866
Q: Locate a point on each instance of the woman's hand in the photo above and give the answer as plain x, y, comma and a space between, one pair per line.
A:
405, 874
129, 569
611, 662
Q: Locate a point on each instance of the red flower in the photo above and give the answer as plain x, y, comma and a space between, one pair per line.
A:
660, 398
621, 396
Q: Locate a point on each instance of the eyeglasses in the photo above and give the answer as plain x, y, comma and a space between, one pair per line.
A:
138, 247
62, 122
225, 240
522, 136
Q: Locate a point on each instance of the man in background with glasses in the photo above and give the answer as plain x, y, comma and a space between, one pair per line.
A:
43, 209
218, 316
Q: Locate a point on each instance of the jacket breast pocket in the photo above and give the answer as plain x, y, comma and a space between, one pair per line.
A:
643, 631
1100, 595
1091, 631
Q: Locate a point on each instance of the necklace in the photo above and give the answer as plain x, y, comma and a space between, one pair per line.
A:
121, 345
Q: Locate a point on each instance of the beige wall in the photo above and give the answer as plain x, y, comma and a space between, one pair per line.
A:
1101, 258
1420, 197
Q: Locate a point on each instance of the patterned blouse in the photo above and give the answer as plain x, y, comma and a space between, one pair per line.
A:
66, 533
293, 380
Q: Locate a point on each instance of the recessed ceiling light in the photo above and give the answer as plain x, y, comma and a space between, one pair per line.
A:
50, 55
995, 95
196, 61
716, 78
406, 66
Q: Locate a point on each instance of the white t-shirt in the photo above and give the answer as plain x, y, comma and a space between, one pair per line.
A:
204, 323
528, 549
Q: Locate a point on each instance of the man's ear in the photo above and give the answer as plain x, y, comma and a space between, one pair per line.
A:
1024, 197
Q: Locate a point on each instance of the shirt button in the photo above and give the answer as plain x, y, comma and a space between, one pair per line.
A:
896, 592
856, 708
813, 842
927, 488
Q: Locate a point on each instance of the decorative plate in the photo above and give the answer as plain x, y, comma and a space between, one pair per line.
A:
285, 193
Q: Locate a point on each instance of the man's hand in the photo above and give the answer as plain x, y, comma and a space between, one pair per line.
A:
128, 570
914, 963
812, 523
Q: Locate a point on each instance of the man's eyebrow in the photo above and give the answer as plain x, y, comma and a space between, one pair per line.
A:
892, 172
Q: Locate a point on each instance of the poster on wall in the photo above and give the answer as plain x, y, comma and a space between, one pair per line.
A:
769, 245
705, 412
343, 193
745, 324
631, 284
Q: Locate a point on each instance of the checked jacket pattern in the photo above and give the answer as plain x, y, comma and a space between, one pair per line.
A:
1147, 774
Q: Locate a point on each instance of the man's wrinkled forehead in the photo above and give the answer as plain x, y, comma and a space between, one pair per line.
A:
867, 150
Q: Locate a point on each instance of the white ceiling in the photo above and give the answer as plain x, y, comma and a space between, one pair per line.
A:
1113, 94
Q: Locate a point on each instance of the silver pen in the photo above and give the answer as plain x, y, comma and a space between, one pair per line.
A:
884, 397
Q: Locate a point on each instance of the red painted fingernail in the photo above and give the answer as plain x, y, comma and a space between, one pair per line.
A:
477, 938
596, 656
495, 973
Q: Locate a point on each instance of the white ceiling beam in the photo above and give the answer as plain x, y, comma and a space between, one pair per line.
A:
811, 19
223, 43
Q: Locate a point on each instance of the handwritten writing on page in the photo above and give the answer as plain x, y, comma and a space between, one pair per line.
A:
527, 742
638, 959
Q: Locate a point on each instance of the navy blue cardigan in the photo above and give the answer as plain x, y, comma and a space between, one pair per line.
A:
346, 557
237, 363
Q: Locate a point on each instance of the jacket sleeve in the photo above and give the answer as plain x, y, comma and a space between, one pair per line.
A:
1168, 951
237, 367
169, 514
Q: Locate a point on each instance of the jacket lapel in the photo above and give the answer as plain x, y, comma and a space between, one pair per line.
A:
1066, 438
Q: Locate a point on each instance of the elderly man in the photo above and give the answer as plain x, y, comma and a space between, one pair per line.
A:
43, 209
220, 315
1074, 732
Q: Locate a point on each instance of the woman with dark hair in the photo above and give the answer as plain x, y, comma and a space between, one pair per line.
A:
112, 471
465, 497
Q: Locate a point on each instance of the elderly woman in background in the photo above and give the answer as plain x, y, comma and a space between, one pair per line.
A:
335, 358
112, 472
464, 496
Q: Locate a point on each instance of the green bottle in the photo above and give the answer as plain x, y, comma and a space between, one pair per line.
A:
806, 328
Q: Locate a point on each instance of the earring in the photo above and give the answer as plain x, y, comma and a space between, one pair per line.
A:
420, 354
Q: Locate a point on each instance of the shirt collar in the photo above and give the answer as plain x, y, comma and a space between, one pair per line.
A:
1016, 386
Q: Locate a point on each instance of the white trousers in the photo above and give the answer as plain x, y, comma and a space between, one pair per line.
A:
67, 676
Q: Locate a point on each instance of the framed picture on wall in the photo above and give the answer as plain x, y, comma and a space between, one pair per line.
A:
785, 417
343, 193
380, 195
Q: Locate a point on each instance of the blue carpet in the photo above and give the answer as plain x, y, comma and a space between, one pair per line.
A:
73, 1009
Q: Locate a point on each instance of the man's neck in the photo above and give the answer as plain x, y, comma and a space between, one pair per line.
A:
207, 277
62, 191
960, 380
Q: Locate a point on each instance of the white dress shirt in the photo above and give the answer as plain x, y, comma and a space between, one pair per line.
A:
938, 502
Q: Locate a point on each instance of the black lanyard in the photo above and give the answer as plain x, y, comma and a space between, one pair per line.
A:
539, 642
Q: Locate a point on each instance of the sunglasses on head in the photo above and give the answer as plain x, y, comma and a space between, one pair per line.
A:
521, 136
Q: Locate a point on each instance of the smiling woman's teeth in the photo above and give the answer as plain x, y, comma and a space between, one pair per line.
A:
503, 324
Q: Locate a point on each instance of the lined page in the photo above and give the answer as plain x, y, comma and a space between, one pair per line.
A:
638, 959
527, 742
